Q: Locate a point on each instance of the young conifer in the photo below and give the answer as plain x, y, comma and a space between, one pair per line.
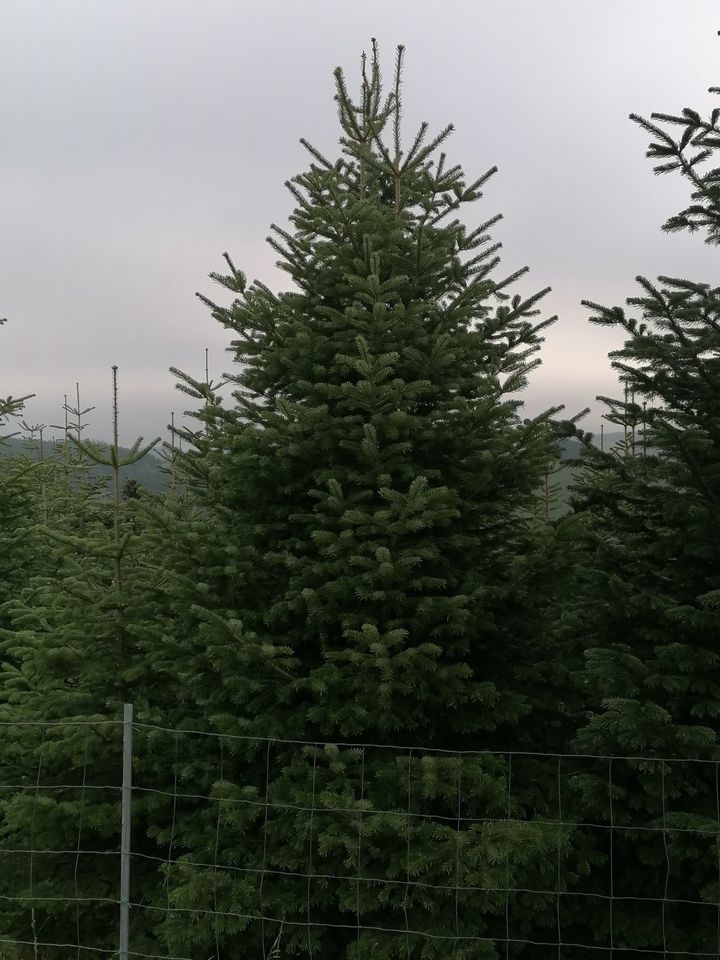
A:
647, 600
69, 662
374, 565
375, 472
16, 514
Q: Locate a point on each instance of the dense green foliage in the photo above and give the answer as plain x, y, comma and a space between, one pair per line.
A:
358, 579
68, 655
15, 507
373, 557
647, 581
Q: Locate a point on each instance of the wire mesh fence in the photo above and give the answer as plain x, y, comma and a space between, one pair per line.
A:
249, 847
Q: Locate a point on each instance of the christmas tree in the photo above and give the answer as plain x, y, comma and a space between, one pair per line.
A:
69, 661
375, 566
647, 595
15, 507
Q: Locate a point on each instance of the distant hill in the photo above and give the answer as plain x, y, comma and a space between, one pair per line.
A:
146, 472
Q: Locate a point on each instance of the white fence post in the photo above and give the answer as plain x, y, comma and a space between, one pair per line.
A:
125, 841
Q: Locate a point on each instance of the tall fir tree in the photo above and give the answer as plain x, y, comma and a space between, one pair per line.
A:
376, 410
373, 566
647, 597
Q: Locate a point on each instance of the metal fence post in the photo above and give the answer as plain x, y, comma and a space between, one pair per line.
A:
125, 845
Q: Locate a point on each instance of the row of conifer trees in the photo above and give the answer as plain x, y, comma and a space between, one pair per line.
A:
353, 550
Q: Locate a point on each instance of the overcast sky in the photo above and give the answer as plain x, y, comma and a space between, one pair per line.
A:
142, 138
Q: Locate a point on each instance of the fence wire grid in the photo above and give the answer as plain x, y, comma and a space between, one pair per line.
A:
125, 839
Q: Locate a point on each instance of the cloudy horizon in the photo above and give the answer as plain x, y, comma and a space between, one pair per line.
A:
143, 140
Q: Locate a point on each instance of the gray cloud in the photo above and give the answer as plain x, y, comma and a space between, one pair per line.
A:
140, 140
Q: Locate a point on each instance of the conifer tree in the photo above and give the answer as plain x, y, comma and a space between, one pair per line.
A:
15, 508
647, 598
374, 564
387, 371
69, 662
697, 144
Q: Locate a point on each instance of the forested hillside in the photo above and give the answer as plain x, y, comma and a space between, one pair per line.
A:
147, 472
399, 689
151, 473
